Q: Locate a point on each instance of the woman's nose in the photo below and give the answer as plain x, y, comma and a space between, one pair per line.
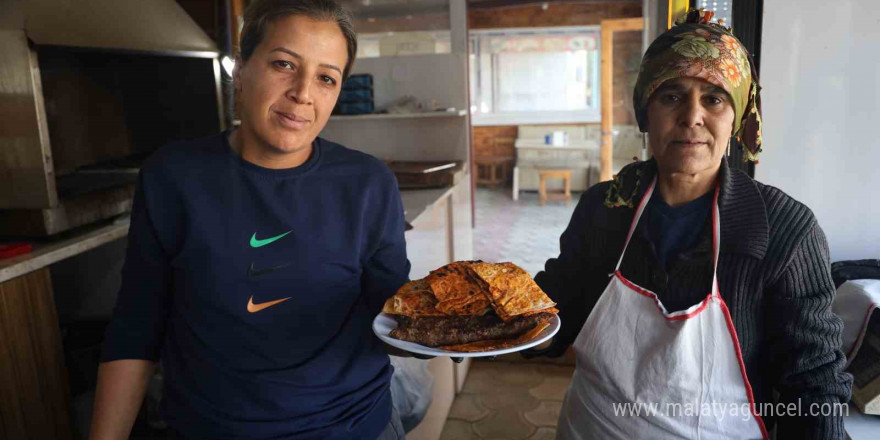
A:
691, 112
300, 91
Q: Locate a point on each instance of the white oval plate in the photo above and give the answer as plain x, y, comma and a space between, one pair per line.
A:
384, 323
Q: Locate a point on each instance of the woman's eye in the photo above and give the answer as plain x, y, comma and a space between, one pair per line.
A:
669, 99
714, 100
283, 64
329, 80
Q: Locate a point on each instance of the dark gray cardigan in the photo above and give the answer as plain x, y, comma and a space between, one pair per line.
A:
774, 274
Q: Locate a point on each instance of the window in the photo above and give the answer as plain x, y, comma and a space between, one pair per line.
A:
535, 75
389, 44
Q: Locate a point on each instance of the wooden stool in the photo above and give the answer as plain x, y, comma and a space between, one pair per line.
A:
545, 174
494, 169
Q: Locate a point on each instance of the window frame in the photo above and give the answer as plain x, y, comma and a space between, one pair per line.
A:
592, 115
440, 37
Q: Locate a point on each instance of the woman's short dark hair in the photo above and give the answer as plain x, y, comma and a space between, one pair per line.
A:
260, 13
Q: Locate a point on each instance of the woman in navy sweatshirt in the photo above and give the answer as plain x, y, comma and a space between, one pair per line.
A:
257, 258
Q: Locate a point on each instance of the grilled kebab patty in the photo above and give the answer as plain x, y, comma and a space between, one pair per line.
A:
433, 331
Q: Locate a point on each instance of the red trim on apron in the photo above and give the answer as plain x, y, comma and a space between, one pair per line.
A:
675, 316
742, 367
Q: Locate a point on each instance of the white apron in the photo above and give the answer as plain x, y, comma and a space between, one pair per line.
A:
643, 373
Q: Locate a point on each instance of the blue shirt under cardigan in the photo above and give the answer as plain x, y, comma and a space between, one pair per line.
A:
672, 230
213, 236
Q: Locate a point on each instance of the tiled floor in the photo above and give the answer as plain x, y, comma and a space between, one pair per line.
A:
523, 231
509, 398
508, 401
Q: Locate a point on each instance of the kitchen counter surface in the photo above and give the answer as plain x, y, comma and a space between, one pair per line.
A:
417, 201
48, 252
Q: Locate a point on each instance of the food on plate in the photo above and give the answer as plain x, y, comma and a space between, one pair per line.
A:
510, 289
413, 299
456, 292
471, 306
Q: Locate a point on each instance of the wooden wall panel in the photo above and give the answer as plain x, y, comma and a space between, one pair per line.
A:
418, 22
34, 396
565, 14
11, 414
627, 59
495, 140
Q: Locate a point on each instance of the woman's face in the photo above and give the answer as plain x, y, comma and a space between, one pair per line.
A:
690, 122
289, 85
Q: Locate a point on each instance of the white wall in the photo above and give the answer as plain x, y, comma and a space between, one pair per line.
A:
441, 77
820, 71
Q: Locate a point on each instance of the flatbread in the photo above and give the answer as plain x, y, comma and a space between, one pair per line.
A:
511, 289
552, 310
413, 299
498, 344
456, 292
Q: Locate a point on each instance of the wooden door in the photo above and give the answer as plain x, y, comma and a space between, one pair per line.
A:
609, 27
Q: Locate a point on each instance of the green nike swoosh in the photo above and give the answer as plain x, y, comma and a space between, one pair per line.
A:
257, 243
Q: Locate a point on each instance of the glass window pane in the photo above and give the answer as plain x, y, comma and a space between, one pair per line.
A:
535, 70
723, 9
542, 81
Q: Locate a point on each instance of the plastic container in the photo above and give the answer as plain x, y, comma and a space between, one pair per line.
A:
359, 81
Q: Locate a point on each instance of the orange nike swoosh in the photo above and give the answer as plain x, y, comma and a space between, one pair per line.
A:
254, 308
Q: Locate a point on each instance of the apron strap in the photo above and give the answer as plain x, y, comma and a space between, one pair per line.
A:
635, 220
716, 241
716, 231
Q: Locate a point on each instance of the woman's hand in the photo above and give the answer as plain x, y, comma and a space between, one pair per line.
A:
547, 349
394, 351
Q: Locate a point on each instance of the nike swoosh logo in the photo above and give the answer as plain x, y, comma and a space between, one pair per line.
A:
258, 243
254, 273
254, 308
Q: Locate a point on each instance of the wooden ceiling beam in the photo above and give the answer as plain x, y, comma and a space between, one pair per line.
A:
491, 4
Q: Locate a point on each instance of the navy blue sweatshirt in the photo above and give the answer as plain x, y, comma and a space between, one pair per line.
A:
257, 289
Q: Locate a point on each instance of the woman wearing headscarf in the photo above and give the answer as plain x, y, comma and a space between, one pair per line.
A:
695, 297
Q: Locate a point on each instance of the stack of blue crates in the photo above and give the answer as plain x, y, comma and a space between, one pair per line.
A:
356, 97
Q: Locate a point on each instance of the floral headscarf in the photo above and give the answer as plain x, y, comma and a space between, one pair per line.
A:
697, 48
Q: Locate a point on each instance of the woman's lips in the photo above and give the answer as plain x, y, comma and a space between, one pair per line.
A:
689, 142
292, 121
